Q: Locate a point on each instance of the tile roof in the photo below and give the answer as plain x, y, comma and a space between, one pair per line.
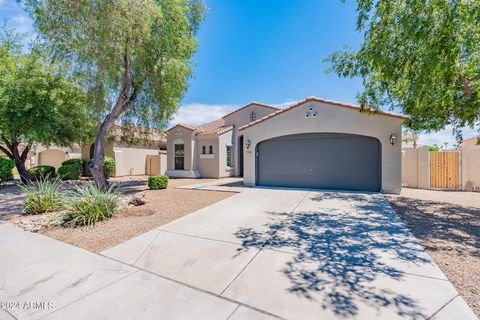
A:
213, 127
330, 102
248, 105
218, 126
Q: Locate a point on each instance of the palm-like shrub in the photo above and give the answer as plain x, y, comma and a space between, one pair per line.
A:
43, 195
90, 204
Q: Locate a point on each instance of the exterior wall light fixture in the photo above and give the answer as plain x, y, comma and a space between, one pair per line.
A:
392, 139
248, 143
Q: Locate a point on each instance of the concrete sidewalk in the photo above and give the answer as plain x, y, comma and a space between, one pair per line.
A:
41, 278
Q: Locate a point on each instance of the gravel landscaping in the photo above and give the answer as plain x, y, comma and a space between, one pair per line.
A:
448, 226
161, 207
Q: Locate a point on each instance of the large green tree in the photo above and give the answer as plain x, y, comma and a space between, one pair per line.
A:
38, 103
420, 56
134, 55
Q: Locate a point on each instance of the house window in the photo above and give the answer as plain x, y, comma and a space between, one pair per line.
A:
179, 157
204, 149
210, 149
253, 116
229, 156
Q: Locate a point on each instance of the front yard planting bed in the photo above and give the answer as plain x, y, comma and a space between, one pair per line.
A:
161, 207
449, 231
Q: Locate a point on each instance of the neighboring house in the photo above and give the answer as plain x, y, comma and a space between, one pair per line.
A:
134, 153
53, 155
472, 142
314, 143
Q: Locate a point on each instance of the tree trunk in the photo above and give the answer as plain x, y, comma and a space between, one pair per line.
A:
97, 171
14, 154
125, 101
22, 170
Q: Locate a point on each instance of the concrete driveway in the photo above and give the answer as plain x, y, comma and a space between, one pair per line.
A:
299, 254
261, 254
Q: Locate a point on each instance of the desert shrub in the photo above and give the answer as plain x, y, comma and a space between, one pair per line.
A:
90, 204
6, 169
70, 171
157, 182
42, 195
108, 165
41, 172
73, 161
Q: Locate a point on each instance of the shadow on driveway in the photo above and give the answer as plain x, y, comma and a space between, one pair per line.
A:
337, 252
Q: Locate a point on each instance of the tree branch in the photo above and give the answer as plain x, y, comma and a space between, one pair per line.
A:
25, 152
466, 87
7, 143
7, 152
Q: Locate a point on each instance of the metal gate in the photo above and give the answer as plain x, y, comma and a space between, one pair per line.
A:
445, 170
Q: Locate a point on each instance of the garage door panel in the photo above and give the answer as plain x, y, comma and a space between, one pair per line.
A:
333, 161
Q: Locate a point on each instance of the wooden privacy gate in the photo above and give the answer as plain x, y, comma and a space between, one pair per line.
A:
445, 170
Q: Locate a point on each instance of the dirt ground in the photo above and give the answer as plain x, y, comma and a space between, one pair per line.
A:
162, 206
448, 226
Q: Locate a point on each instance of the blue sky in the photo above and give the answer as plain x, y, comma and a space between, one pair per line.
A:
269, 51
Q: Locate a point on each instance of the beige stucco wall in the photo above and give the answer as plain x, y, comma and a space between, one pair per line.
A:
214, 165
51, 157
470, 169
239, 119
208, 164
415, 168
131, 161
332, 119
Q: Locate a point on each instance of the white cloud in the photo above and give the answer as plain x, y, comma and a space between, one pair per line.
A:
285, 104
445, 135
21, 23
198, 113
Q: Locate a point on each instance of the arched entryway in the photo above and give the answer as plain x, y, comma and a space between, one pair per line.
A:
320, 160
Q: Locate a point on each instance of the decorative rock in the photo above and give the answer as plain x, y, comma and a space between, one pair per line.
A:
138, 199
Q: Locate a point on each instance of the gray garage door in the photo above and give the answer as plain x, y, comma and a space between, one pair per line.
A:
320, 160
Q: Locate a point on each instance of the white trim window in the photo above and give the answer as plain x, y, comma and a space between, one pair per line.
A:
253, 116
229, 156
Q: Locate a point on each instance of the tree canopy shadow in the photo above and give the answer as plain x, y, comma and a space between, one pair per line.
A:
339, 251
441, 223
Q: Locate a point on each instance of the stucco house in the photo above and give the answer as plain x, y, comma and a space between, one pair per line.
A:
314, 143
471, 143
135, 153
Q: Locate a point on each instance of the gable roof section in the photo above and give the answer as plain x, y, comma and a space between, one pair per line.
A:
218, 126
315, 99
185, 126
213, 127
248, 105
